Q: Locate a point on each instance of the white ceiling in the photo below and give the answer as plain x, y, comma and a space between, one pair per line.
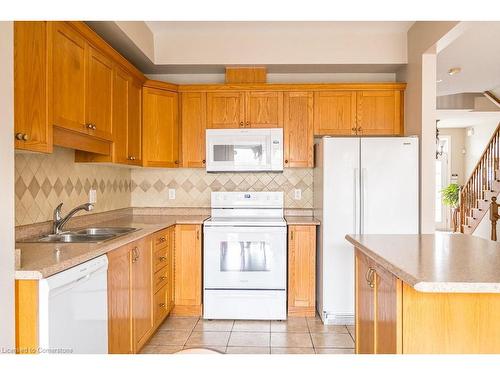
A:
477, 53
465, 118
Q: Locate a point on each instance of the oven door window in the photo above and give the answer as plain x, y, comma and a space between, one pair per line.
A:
245, 256
239, 153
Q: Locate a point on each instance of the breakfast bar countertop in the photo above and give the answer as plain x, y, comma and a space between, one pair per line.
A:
41, 260
436, 263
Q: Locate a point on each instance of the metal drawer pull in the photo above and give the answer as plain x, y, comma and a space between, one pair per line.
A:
162, 305
162, 259
370, 277
163, 278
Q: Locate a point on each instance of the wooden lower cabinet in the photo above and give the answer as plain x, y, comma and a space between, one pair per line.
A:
394, 318
130, 297
187, 270
301, 270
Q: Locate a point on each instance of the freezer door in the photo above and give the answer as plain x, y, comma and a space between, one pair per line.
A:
389, 185
340, 217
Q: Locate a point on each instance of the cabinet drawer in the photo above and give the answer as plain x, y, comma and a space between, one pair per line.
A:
161, 307
160, 278
160, 239
160, 258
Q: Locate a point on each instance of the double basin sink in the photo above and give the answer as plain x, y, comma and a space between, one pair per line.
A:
87, 235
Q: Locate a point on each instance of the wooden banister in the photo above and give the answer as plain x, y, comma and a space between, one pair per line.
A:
481, 179
494, 216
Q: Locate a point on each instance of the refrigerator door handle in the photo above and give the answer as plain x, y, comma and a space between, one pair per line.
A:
362, 200
355, 201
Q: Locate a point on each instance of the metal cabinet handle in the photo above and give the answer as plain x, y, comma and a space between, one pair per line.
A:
242, 124
162, 239
197, 234
22, 137
135, 254
360, 129
163, 278
291, 235
162, 305
286, 161
94, 127
247, 125
176, 162
370, 277
131, 158
162, 259
203, 161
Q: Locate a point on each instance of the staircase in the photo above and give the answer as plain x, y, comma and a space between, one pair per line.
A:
482, 185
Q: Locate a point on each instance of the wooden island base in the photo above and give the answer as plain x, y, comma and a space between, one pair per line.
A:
394, 318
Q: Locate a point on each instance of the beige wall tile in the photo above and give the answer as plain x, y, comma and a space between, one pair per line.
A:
43, 181
193, 186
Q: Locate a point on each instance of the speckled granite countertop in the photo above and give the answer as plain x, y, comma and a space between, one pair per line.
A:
301, 220
436, 263
40, 260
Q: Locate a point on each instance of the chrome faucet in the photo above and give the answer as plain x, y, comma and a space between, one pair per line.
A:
60, 221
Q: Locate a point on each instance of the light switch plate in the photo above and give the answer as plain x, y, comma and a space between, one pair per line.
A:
297, 194
92, 196
171, 193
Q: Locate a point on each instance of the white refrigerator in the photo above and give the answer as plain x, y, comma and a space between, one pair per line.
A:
361, 186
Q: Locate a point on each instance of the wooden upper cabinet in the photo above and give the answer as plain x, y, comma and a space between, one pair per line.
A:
193, 124
126, 118
225, 110
67, 72
99, 94
301, 270
32, 129
121, 91
160, 128
264, 109
379, 112
188, 267
134, 133
335, 113
298, 129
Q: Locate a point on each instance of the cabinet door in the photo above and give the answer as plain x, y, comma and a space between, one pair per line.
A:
264, 109
335, 113
99, 94
161, 128
225, 110
134, 135
119, 303
365, 306
301, 270
32, 130
121, 85
68, 77
379, 112
298, 129
194, 122
142, 292
187, 276
387, 331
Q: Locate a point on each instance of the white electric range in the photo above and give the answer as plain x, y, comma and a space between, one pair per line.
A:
245, 257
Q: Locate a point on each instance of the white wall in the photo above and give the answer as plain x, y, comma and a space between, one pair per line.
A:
280, 42
475, 143
7, 327
424, 41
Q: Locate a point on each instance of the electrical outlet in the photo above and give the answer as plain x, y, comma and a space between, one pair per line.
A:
297, 194
92, 196
171, 193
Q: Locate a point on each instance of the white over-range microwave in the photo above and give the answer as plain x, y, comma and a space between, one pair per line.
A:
244, 150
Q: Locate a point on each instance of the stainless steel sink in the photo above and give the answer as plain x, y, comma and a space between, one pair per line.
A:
91, 235
105, 231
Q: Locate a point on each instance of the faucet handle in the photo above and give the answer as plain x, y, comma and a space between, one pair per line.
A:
57, 212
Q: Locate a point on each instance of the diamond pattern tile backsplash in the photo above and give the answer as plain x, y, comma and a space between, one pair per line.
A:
43, 181
193, 186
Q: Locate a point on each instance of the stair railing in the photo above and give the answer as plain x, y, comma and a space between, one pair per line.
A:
481, 178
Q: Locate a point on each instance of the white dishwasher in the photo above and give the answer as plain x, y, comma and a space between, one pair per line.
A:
73, 315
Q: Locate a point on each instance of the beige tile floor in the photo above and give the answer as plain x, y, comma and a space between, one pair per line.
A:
293, 336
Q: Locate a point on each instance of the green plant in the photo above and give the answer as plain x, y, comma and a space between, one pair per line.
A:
450, 195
